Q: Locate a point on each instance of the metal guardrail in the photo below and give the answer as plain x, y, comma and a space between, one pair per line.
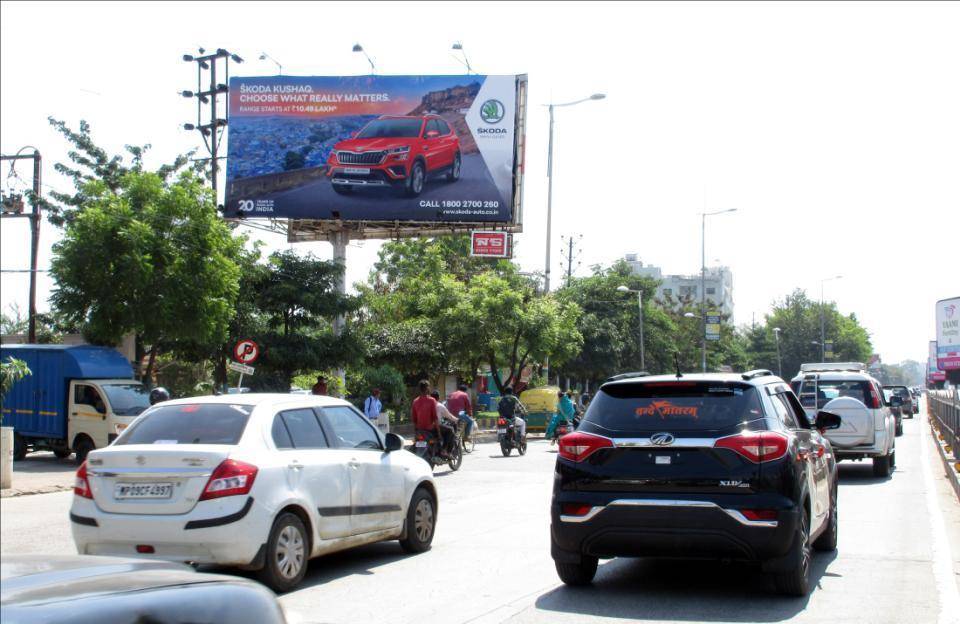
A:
944, 407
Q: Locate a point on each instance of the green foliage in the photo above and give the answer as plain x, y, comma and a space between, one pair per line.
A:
150, 257
293, 160
11, 371
91, 163
361, 380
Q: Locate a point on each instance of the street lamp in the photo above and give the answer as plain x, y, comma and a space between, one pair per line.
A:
266, 57
359, 48
703, 279
624, 289
595, 96
776, 333
823, 352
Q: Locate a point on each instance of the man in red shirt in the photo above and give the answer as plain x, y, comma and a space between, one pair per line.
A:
459, 401
424, 412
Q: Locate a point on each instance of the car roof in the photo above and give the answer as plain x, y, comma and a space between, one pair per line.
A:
257, 398
427, 116
836, 374
756, 378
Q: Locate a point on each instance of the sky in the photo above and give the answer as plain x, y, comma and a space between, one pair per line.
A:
832, 128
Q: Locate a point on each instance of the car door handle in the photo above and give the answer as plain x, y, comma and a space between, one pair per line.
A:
295, 466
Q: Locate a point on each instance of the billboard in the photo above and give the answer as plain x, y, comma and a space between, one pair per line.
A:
429, 149
490, 244
948, 334
712, 327
933, 373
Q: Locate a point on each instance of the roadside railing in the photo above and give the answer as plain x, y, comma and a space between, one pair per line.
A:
944, 408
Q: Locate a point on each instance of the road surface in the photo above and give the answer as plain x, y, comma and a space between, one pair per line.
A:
491, 560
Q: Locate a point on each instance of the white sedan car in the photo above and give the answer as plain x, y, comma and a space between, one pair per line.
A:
257, 481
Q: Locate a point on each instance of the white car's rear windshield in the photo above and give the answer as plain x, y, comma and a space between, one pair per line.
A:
203, 423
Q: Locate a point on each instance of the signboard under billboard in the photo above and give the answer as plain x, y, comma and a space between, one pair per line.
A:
427, 149
933, 373
948, 334
490, 244
712, 327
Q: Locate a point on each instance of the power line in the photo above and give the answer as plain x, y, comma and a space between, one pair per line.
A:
571, 254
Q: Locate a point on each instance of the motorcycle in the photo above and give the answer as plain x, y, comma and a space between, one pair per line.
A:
426, 446
508, 435
561, 430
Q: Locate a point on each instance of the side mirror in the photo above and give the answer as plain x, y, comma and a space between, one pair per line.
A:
827, 420
394, 442
896, 401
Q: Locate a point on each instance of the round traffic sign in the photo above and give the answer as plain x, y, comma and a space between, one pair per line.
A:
246, 352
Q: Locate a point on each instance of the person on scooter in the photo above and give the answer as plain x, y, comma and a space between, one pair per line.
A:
424, 413
565, 413
512, 410
448, 422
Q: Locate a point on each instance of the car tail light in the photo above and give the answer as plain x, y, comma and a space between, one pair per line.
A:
575, 509
757, 446
873, 398
578, 446
502, 423
145, 549
759, 514
81, 487
230, 478
421, 437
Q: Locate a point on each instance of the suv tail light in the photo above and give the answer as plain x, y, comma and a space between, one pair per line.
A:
873, 397
759, 514
757, 446
575, 509
81, 487
230, 478
578, 446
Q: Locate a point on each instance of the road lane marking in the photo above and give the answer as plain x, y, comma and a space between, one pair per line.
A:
942, 561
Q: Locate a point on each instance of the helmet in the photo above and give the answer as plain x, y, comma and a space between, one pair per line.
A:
158, 395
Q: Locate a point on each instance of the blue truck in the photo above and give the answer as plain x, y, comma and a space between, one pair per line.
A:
78, 398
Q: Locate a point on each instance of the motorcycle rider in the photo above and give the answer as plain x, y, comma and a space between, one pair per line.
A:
448, 423
424, 413
159, 395
512, 410
565, 413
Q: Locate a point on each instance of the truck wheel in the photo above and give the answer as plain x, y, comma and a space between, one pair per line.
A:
881, 466
577, 573
83, 447
19, 447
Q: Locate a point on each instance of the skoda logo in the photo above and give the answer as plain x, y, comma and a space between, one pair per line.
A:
661, 439
492, 111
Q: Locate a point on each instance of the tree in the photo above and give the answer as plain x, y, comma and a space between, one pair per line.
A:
11, 371
150, 257
92, 163
296, 298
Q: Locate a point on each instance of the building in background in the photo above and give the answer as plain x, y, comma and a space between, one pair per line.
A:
677, 288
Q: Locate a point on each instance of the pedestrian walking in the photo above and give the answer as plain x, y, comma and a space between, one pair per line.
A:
372, 406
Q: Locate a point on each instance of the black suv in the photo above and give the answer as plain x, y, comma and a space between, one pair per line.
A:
722, 466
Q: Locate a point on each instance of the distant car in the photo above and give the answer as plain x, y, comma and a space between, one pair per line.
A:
257, 481
906, 409
234, 390
723, 466
869, 426
401, 152
72, 589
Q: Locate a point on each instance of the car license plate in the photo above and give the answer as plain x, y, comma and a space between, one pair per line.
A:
421, 444
663, 459
501, 431
356, 170
122, 491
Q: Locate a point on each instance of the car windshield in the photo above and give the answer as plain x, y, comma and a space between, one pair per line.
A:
900, 391
205, 423
674, 406
391, 128
127, 399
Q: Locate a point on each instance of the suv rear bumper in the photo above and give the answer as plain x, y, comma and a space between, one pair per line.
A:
632, 527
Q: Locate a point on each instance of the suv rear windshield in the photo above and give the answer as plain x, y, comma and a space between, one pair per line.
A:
900, 391
828, 390
205, 423
391, 128
674, 406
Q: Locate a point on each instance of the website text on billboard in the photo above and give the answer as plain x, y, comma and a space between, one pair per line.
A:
948, 334
375, 148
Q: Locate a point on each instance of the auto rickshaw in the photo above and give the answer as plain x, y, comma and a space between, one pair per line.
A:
541, 404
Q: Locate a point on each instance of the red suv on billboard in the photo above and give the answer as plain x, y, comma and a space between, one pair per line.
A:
395, 151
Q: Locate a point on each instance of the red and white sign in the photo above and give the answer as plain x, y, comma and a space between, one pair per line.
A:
246, 352
490, 244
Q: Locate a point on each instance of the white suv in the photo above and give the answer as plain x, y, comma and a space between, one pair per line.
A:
258, 481
868, 427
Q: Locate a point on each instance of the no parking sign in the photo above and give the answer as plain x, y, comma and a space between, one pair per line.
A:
246, 352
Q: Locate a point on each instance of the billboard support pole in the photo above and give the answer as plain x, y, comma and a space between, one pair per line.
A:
339, 240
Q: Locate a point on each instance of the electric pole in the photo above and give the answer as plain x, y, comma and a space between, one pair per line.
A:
15, 206
570, 254
212, 131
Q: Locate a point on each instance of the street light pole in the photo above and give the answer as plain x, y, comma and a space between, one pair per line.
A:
643, 357
776, 333
823, 350
703, 282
